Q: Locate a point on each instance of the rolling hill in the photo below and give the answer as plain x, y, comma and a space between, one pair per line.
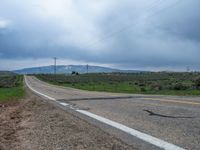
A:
65, 69
69, 68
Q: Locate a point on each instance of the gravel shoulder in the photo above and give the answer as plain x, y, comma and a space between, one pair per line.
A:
34, 124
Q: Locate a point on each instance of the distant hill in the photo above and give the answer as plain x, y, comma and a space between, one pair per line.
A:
69, 69
65, 69
6, 73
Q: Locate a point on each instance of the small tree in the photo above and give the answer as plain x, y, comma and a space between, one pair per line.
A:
197, 82
143, 89
180, 86
73, 72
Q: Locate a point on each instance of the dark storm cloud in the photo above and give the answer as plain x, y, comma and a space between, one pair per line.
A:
126, 33
169, 37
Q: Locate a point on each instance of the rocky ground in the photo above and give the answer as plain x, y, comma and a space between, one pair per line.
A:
33, 124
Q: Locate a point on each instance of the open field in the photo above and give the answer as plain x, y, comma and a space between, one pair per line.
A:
11, 87
142, 83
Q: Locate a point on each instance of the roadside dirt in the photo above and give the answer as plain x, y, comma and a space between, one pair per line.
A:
33, 124
9, 124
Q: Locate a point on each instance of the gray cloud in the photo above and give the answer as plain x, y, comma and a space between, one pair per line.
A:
130, 34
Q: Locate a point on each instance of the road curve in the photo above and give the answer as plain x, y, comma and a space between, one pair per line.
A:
170, 118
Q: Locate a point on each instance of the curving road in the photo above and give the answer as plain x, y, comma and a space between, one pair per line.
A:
169, 118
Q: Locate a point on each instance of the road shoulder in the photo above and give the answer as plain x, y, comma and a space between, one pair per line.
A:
40, 125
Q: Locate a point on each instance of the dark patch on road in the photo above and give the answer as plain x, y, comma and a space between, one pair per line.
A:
99, 98
151, 113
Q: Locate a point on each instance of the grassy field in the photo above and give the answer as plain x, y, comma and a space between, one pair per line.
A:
142, 83
11, 87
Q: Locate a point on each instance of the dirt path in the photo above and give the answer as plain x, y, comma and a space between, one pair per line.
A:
33, 124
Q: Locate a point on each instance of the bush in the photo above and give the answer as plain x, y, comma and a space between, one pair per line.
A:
141, 84
143, 90
8, 81
180, 86
157, 87
197, 82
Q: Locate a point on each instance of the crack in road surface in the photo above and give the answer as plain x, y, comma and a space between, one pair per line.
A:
151, 113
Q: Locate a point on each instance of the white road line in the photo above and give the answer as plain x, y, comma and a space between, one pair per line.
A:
64, 104
46, 96
145, 137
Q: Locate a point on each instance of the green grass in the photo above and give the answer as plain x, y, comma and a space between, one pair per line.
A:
13, 93
161, 83
117, 87
125, 88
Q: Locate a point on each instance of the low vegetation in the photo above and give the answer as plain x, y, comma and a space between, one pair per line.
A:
142, 83
11, 87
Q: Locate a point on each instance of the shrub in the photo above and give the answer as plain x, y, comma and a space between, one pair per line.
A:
130, 83
143, 90
197, 82
180, 86
156, 87
141, 84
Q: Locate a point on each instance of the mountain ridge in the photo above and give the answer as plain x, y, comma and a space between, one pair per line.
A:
69, 68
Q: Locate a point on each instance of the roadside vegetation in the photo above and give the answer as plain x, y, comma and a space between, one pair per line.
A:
11, 86
142, 83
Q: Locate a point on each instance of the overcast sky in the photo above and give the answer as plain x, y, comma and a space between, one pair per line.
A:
129, 34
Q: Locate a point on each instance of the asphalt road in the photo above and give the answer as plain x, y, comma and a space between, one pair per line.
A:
170, 118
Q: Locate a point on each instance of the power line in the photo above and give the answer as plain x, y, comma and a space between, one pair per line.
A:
131, 25
157, 3
148, 9
168, 7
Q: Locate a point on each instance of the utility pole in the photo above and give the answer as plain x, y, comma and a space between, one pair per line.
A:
87, 68
188, 68
55, 59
